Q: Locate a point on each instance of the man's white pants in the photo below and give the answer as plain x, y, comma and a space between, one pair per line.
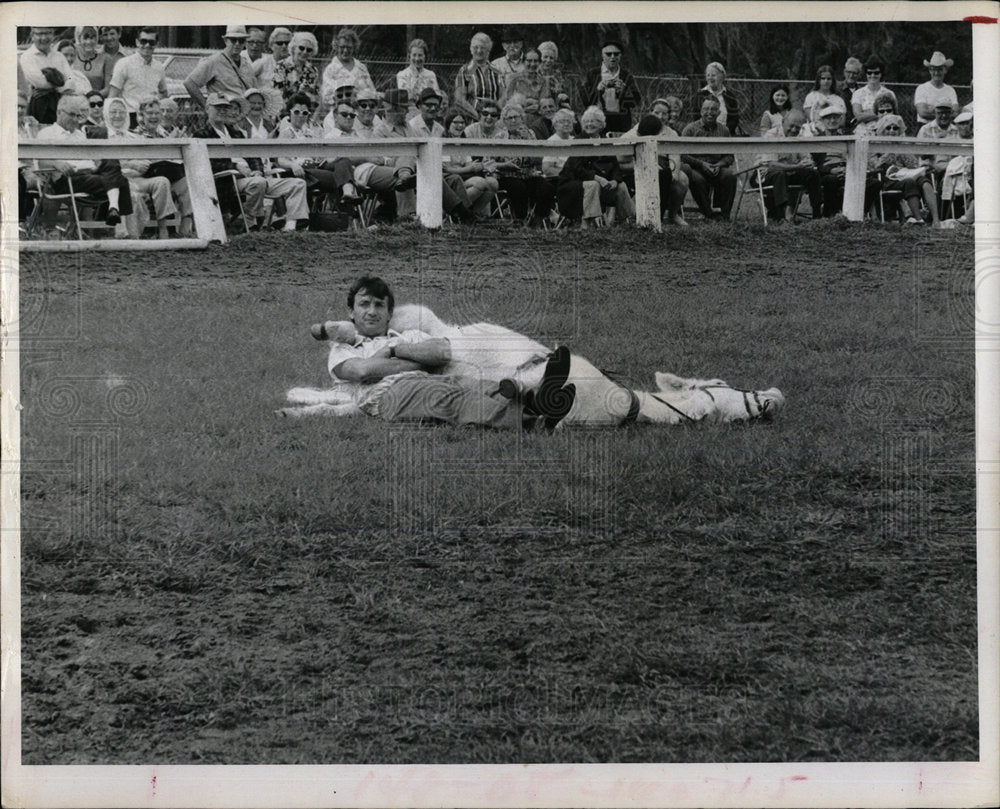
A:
291, 188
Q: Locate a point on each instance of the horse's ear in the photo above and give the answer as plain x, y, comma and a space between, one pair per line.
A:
665, 381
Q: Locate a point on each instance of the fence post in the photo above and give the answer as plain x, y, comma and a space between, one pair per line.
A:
855, 177
204, 198
429, 156
647, 185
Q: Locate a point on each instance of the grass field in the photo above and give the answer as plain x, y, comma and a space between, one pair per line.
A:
205, 583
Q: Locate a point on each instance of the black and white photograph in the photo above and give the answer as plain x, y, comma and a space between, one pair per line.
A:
599, 410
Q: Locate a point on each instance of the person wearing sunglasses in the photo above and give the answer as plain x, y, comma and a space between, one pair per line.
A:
901, 173
863, 99
296, 73
224, 72
612, 88
344, 69
885, 104
140, 75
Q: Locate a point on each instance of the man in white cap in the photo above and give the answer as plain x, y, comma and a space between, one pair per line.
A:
224, 72
934, 92
832, 167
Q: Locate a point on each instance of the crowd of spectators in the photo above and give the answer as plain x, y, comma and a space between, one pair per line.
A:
267, 85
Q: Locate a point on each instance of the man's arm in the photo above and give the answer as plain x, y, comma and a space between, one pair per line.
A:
395, 360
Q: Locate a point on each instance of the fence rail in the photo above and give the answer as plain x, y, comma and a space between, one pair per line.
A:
428, 154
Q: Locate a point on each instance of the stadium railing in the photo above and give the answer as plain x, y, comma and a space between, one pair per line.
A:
428, 154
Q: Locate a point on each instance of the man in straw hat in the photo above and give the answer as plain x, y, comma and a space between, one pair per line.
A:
934, 92
223, 73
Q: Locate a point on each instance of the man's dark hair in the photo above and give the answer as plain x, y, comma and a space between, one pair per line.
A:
649, 125
375, 287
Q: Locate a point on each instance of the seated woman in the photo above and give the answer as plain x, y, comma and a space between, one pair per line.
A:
885, 104
587, 184
150, 118
903, 173
157, 189
779, 104
480, 188
330, 177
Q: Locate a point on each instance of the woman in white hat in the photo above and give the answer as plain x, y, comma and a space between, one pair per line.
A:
934, 92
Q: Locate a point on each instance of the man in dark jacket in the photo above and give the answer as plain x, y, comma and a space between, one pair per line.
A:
612, 88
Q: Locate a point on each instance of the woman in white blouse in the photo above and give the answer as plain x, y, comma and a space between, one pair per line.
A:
415, 78
823, 94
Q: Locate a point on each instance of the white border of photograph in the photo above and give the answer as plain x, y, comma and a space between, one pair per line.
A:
913, 784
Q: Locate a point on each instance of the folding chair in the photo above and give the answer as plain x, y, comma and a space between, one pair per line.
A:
500, 205
234, 174
883, 194
72, 199
753, 181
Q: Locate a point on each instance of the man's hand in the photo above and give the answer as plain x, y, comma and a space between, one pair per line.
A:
297, 170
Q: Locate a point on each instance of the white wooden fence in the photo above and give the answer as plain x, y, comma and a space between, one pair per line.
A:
428, 154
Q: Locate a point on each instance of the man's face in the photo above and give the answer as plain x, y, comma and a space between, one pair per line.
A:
612, 57
513, 49
547, 106
110, 37
852, 75
480, 51
532, 61
531, 105
965, 129
944, 116
710, 113
792, 127
394, 115
219, 114
832, 122
234, 46
429, 109
95, 104
256, 105
366, 111
344, 117
72, 116
255, 46
41, 38
168, 116
146, 44
279, 47
370, 314
937, 74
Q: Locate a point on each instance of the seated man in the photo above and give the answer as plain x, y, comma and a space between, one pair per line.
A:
710, 172
832, 167
794, 169
454, 199
102, 179
395, 374
941, 128
222, 112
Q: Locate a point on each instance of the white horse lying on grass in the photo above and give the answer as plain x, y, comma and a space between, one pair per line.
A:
487, 351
